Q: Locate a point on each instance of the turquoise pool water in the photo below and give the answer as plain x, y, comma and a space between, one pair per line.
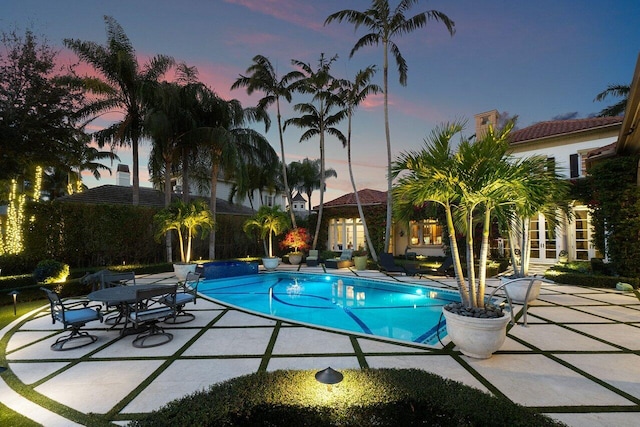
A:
371, 307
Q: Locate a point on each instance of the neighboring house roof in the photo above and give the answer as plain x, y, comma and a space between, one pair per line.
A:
554, 128
603, 152
298, 198
120, 195
367, 197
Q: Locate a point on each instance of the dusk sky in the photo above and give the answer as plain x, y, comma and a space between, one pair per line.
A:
540, 59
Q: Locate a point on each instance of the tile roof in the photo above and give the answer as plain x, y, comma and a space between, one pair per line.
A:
561, 127
367, 197
121, 195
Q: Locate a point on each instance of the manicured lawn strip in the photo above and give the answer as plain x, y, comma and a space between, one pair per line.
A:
9, 417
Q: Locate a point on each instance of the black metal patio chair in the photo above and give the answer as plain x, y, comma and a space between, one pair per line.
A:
72, 318
188, 292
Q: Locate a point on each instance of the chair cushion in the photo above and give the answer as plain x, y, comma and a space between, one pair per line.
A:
151, 314
80, 316
183, 298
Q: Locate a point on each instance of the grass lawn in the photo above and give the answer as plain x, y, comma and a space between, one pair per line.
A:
9, 417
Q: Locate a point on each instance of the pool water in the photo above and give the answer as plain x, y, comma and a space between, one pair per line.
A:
402, 312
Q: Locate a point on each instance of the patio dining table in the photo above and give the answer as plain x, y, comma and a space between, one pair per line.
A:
121, 297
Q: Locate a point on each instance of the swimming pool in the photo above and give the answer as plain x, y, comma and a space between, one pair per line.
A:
364, 306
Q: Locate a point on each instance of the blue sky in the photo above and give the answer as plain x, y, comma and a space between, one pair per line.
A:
538, 60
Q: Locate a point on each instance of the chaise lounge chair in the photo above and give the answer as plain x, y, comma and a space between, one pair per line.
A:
388, 265
344, 261
312, 259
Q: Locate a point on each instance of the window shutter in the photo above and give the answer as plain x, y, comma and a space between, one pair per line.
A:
573, 163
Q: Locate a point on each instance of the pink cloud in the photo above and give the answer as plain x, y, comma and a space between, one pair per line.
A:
291, 11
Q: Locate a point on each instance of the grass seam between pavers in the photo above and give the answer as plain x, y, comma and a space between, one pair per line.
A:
268, 353
160, 369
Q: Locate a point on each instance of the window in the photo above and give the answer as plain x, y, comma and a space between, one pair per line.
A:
425, 232
574, 165
269, 201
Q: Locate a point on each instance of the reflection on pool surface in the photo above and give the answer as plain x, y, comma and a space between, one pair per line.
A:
373, 307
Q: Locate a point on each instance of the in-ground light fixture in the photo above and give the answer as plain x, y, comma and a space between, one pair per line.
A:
329, 377
15, 300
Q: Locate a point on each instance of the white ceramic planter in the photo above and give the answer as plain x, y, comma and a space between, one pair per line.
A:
517, 289
295, 258
270, 264
182, 269
478, 338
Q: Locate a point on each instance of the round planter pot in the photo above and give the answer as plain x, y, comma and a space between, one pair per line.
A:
270, 264
360, 262
475, 337
295, 258
181, 269
518, 290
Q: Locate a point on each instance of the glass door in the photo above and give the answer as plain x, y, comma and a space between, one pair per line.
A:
543, 240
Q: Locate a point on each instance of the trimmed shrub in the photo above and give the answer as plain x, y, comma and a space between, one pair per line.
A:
382, 397
51, 271
592, 280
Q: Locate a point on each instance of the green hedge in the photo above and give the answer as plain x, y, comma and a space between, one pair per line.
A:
29, 289
592, 280
382, 397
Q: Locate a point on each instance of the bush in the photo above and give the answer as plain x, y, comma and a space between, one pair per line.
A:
51, 271
384, 397
593, 280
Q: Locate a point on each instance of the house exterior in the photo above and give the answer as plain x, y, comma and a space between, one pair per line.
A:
567, 144
345, 229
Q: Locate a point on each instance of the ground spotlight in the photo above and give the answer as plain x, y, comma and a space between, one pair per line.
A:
329, 377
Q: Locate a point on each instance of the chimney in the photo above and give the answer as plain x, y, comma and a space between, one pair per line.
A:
483, 120
123, 176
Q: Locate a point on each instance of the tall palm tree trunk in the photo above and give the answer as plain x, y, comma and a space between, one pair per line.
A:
484, 253
372, 250
387, 133
167, 201
136, 168
322, 184
455, 255
215, 168
284, 165
471, 271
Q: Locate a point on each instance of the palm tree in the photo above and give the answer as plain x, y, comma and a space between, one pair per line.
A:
229, 145
474, 181
269, 222
317, 116
189, 221
79, 156
122, 88
384, 26
353, 93
262, 76
306, 175
618, 91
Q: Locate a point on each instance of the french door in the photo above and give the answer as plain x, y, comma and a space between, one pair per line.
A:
543, 240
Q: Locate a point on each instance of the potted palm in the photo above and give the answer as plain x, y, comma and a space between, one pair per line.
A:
268, 222
360, 258
189, 221
468, 184
298, 240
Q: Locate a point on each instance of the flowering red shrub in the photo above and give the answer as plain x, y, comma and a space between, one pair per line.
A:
297, 239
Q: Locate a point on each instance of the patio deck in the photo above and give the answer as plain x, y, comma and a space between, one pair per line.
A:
578, 361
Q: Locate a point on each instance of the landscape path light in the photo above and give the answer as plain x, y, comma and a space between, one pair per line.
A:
329, 377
